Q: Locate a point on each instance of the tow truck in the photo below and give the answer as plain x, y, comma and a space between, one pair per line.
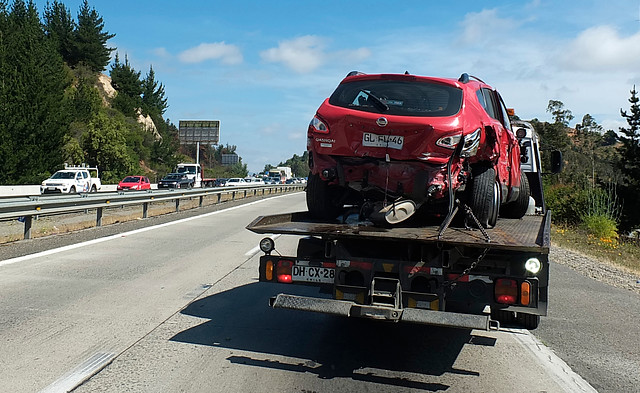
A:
452, 273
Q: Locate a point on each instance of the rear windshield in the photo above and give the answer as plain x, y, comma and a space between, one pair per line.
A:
131, 179
400, 97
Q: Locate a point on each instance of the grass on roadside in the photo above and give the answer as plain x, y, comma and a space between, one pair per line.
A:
614, 251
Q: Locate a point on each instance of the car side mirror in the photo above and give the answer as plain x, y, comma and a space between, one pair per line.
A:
557, 164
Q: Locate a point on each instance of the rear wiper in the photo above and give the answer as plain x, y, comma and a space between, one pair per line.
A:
377, 102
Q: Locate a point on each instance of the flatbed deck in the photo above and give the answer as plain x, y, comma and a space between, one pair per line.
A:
530, 233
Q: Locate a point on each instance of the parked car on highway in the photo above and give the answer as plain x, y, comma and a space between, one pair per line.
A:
134, 183
254, 181
236, 182
175, 180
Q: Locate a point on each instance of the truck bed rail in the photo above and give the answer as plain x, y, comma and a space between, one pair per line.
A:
530, 233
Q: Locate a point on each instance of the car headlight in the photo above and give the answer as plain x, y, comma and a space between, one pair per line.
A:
533, 265
471, 143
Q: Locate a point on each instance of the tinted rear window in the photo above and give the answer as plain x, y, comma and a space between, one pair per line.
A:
403, 98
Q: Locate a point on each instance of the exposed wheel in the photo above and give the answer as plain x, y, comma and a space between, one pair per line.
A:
484, 199
322, 199
528, 321
518, 208
93, 188
72, 190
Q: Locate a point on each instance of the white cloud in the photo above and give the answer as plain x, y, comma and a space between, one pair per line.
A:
302, 54
227, 54
601, 48
161, 52
485, 25
305, 54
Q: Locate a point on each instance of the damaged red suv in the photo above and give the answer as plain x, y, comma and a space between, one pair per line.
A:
400, 143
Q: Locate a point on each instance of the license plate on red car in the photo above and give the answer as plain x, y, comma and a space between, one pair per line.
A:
374, 140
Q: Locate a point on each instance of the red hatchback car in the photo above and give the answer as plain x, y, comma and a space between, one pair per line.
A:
134, 183
401, 143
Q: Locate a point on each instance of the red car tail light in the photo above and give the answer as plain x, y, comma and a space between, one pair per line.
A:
283, 271
317, 125
506, 291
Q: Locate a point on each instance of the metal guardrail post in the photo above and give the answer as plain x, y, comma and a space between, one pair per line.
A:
99, 217
219, 197
245, 193
177, 205
28, 221
201, 201
145, 210
233, 196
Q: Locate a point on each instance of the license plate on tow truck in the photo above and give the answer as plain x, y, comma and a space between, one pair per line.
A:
313, 274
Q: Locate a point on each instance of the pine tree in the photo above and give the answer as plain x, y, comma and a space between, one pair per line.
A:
91, 41
154, 102
629, 162
127, 82
60, 28
33, 111
630, 138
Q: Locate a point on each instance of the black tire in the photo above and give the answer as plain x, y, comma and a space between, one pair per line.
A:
484, 199
322, 199
72, 190
528, 321
93, 188
518, 208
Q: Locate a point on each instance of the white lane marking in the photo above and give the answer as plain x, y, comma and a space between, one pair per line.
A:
81, 373
104, 239
255, 249
557, 368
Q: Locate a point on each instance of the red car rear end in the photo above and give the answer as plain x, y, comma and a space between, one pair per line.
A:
385, 138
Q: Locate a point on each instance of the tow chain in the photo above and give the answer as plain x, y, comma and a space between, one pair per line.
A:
467, 270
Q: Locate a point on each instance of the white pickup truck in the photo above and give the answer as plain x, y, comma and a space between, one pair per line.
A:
71, 180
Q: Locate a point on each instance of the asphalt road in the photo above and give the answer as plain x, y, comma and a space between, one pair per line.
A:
177, 308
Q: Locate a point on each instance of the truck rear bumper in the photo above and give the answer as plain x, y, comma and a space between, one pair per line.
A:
413, 315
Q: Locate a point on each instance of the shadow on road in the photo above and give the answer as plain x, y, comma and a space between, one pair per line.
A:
329, 346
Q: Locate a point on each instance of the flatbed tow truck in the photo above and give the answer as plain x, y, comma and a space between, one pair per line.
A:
445, 275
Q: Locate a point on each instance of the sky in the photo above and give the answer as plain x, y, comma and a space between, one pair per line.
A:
263, 67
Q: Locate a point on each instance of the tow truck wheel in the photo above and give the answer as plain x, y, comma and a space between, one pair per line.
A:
321, 199
93, 188
528, 321
72, 190
485, 196
518, 208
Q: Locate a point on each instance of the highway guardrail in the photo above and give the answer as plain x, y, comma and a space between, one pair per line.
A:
29, 207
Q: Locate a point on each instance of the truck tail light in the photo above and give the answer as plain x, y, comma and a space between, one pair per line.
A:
317, 125
268, 271
283, 271
506, 291
525, 293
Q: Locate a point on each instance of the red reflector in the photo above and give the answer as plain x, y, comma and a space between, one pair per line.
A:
452, 277
416, 269
361, 265
283, 271
506, 291
330, 265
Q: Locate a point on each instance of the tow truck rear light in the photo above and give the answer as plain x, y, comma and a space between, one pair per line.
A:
283, 271
506, 291
268, 270
317, 125
525, 293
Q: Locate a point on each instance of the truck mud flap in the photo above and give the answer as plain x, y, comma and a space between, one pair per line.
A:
412, 315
